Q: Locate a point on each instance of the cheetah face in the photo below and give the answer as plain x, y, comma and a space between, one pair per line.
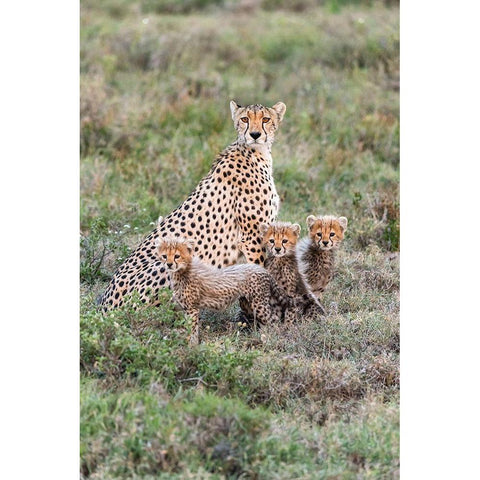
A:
279, 238
256, 124
175, 253
328, 231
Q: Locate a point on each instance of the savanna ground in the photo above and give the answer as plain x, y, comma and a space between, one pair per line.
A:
318, 400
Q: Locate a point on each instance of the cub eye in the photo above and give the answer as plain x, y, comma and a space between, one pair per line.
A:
265, 119
332, 234
319, 234
272, 240
244, 119
176, 257
163, 257
284, 241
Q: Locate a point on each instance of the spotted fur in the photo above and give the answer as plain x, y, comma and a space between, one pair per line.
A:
220, 216
316, 253
198, 286
280, 240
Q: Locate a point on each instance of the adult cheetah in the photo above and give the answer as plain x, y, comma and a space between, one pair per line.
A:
222, 213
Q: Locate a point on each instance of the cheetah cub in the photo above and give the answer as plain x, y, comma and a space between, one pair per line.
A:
316, 253
280, 241
197, 285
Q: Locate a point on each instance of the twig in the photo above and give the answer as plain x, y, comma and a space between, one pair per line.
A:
198, 379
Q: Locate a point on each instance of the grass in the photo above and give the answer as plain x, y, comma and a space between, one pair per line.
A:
320, 400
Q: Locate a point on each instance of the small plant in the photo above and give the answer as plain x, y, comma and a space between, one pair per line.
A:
95, 247
131, 343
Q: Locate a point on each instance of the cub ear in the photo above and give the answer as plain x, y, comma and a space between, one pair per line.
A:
343, 222
280, 108
233, 108
157, 242
296, 229
190, 245
262, 228
160, 220
311, 220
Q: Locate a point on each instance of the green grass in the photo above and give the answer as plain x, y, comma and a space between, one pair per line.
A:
319, 400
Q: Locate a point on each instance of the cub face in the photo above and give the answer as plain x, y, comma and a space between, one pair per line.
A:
328, 231
279, 238
256, 124
175, 253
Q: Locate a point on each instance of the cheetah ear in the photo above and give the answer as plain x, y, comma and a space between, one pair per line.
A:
157, 242
160, 220
296, 229
233, 108
310, 221
280, 108
262, 228
190, 244
343, 222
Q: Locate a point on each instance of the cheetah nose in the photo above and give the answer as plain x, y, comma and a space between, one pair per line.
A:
278, 249
255, 135
325, 242
169, 265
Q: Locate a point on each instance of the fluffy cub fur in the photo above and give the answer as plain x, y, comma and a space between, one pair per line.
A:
280, 241
197, 285
316, 252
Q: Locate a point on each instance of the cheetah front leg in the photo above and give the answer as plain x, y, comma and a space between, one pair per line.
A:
250, 246
291, 316
259, 301
194, 314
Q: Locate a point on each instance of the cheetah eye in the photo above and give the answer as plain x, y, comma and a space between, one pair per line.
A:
332, 234
176, 257
284, 241
244, 119
272, 241
319, 234
163, 257
265, 119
